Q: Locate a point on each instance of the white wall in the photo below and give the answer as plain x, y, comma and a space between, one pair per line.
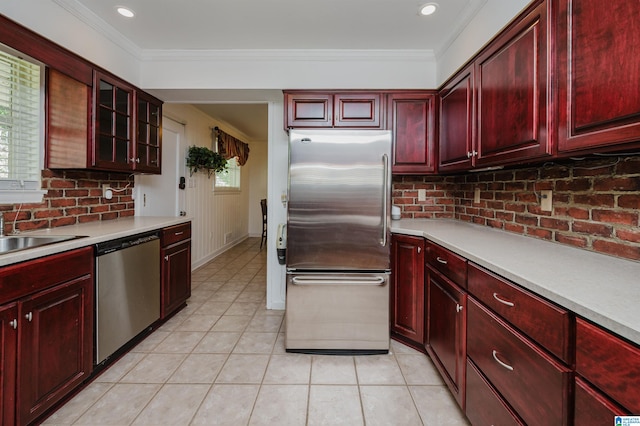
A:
488, 22
258, 174
213, 214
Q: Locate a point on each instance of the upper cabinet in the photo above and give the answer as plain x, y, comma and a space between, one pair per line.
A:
598, 76
456, 141
358, 110
411, 116
495, 110
113, 131
512, 81
127, 127
109, 126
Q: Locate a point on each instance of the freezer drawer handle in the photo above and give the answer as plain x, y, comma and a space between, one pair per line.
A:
333, 281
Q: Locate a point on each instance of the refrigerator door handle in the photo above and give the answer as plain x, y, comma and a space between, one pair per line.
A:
375, 281
385, 189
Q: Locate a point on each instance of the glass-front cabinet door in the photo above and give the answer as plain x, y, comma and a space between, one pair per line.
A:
114, 124
148, 139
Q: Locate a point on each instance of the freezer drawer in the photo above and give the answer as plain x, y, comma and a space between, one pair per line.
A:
337, 313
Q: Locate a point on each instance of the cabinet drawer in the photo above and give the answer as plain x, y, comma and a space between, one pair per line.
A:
484, 405
593, 408
542, 321
609, 363
176, 233
534, 384
447, 262
26, 278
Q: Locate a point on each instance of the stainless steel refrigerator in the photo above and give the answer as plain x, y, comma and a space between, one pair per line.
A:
338, 241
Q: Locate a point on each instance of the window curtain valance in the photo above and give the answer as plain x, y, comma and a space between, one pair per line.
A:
230, 147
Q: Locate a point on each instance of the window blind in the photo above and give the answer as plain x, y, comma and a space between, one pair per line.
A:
20, 123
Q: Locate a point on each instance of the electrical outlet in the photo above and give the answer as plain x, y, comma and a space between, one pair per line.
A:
476, 196
546, 200
107, 192
422, 195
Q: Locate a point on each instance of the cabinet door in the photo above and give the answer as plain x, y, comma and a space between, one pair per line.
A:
113, 134
176, 277
456, 141
8, 343
56, 343
308, 109
447, 331
68, 118
407, 290
359, 110
411, 118
148, 146
511, 79
598, 69
592, 407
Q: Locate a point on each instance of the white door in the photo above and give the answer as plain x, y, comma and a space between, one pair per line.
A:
159, 195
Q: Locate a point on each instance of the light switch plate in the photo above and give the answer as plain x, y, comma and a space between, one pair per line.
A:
476, 196
546, 200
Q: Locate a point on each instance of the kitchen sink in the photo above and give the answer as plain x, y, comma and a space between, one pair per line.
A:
11, 243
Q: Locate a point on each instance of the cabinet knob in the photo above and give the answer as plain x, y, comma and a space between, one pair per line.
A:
419, 249
29, 316
458, 307
472, 154
135, 160
166, 258
13, 323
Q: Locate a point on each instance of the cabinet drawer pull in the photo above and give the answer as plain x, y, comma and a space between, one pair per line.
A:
507, 366
178, 233
29, 316
13, 323
504, 302
441, 260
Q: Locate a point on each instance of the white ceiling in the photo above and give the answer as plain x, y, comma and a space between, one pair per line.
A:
209, 25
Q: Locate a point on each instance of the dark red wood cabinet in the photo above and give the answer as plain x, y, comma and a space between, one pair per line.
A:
8, 358
148, 140
411, 116
456, 141
598, 67
497, 109
512, 81
407, 289
47, 332
176, 268
533, 383
350, 109
609, 363
447, 330
592, 407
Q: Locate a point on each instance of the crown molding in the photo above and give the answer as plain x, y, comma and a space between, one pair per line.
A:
324, 55
469, 12
99, 25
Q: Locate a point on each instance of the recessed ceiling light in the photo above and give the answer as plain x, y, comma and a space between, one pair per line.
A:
125, 11
427, 9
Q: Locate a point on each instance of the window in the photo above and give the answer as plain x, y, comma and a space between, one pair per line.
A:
21, 134
229, 179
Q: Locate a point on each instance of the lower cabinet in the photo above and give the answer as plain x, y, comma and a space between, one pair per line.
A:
407, 289
176, 268
447, 327
47, 332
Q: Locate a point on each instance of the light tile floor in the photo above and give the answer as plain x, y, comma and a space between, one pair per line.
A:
221, 361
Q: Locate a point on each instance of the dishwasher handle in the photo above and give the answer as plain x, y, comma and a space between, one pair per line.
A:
376, 281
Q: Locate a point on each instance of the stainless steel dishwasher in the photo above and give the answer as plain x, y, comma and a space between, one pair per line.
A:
127, 290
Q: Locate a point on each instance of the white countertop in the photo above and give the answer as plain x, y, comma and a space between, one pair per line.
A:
601, 288
94, 232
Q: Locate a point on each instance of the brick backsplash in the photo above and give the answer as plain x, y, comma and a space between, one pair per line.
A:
72, 197
596, 202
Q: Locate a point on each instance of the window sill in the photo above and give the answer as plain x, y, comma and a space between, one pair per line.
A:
18, 196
